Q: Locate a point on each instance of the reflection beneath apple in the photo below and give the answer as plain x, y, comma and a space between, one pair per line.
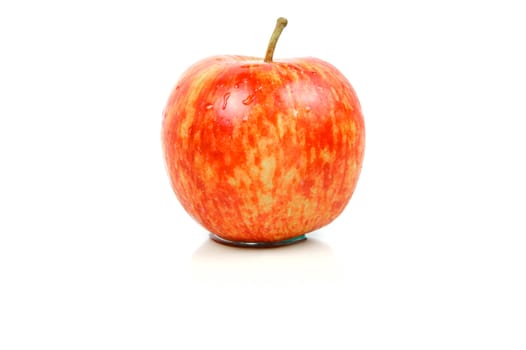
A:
310, 263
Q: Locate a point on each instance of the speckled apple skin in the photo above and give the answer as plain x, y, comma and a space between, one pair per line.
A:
263, 152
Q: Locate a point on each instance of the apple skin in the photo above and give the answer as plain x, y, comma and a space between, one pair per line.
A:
263, 151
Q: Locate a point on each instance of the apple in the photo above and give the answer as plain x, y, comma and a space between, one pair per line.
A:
262, 151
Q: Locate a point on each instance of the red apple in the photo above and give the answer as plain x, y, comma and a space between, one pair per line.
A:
262, 150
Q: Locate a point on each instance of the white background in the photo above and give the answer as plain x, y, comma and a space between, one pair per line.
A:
96, 253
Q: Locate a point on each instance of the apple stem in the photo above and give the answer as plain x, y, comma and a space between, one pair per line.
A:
280, 24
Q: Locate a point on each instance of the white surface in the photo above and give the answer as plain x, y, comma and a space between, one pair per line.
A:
96, 253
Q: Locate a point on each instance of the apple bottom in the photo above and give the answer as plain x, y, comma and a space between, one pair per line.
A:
249, 244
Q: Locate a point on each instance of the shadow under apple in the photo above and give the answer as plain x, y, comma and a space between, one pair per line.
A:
310, 263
